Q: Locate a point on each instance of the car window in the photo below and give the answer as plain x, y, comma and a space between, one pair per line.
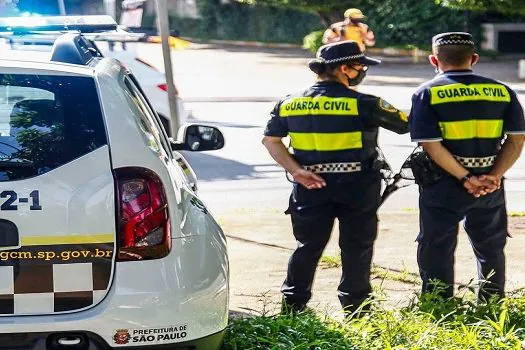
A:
148, 118
46, 122
154, 115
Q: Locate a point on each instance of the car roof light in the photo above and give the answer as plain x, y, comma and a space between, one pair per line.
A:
84, 24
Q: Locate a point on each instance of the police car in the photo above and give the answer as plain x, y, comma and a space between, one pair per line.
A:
152, 81
103, 242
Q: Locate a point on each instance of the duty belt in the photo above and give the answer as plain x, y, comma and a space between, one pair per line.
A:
334, 167
476, 162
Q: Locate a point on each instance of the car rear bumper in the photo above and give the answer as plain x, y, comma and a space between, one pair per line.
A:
90, 341
187, 299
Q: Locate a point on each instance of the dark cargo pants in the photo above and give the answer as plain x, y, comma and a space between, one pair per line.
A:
313, 213
442, 206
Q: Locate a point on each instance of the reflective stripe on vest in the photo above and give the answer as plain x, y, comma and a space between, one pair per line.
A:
326, 141
470, 129
472, 92
319, 105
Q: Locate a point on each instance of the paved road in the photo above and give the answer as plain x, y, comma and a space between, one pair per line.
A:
235, 88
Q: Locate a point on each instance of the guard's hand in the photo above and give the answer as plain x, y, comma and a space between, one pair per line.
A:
472, 189
479, 186
309, 179
494, 180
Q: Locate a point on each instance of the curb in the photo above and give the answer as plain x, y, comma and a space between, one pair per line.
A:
387, 51
245, 43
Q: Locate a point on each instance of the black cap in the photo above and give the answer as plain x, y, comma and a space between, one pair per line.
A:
344, 51
452, 38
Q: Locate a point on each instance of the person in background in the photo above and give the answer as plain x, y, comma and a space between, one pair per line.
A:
352, 28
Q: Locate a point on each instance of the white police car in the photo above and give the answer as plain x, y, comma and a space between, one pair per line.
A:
103, 243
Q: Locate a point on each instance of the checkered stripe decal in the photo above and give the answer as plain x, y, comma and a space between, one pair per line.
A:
39, 286
475, 162
52, 288
455, 42
334, 167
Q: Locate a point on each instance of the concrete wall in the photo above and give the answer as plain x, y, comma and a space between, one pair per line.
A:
182, 8
521, 69
492, 30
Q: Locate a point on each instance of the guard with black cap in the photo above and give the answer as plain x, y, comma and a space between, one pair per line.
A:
472, 130
333, 131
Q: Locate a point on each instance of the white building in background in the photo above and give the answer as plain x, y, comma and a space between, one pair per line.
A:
182, 8
504, 37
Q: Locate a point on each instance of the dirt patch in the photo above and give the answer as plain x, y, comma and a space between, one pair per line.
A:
260, 243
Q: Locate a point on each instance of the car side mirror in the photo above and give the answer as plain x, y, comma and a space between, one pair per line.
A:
197, 138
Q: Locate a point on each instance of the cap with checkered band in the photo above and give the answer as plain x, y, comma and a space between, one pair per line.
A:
344, 51
452, 38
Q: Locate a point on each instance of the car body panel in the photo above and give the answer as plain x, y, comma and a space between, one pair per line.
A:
35, 67
69, 256
174, 291
149, 78
179, 298
61, 220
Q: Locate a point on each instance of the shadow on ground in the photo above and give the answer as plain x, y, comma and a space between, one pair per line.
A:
278, 52
212, 168
221, 124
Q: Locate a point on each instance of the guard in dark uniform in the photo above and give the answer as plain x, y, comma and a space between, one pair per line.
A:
333, 131
460, 118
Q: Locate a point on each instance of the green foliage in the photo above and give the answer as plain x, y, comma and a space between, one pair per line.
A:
315, 5
282, 331
408, 23
502, 6
188, 27
240, 21
412, 23
404, 276
415, 22
313, 41
429, 323
331, 261
330, 11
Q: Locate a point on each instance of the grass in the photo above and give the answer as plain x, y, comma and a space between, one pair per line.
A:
330, 261
516, 214
405, 276
429, 323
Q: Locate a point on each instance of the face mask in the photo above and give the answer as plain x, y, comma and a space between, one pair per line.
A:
361, 74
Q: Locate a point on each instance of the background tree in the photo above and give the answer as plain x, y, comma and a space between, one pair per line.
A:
501, 6
329, 10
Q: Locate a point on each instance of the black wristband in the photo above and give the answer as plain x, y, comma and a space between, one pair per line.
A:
465, 178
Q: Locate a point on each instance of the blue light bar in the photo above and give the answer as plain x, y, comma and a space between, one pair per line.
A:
83, 24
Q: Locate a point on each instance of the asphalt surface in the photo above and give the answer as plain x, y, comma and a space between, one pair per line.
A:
234, 88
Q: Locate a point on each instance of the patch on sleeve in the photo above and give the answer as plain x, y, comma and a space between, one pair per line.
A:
387, 106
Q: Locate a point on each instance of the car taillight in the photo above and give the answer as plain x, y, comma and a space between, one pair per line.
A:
143, 216
164, 87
